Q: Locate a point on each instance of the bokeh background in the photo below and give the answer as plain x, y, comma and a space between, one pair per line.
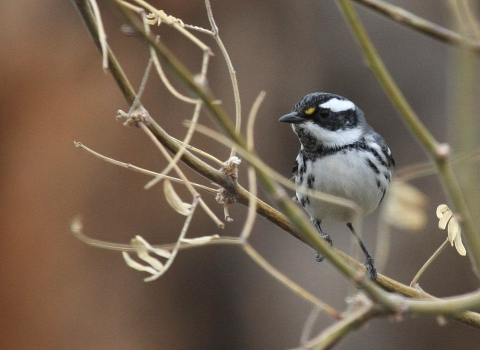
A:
58, 293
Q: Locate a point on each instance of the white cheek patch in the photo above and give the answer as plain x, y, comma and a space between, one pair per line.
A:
335, 138
336, 105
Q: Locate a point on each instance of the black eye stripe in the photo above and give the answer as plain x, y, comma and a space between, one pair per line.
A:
324, 112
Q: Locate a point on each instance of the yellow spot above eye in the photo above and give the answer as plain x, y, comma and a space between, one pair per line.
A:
309, 111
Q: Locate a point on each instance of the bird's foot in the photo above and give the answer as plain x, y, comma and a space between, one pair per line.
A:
371, 269
327, 238
318, 256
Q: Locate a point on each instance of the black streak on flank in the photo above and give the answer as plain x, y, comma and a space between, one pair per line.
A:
303, 201
375, 153
310, 181
383, 195
301, 169
373, 166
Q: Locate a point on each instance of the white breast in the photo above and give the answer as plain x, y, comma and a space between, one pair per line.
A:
345, 174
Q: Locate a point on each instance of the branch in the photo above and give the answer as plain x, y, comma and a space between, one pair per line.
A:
421, 25
120, 77
333, 334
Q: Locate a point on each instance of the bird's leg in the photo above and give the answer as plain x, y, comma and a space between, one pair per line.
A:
326, 237
369, 262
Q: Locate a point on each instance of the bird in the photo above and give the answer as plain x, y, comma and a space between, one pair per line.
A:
341, 155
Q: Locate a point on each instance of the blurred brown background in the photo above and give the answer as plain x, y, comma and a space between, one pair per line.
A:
57, 293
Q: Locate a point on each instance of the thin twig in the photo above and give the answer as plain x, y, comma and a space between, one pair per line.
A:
421, 25
166, 82
202, 153
252, 178
85, 11
308, 327
417, 170
128, 247
102, 36
231, 70
175, 23
333, 334
472, 20
385, 79
175, 249
187, 183
136, 103
140, 170
185, 141
464, 128
252, 253
428, 263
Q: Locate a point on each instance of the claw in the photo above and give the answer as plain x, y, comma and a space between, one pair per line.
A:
327, 238
371, 269
319, 257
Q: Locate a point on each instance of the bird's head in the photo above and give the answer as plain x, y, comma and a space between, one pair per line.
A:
329, 119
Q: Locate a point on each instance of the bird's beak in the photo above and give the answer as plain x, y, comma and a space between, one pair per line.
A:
292, 118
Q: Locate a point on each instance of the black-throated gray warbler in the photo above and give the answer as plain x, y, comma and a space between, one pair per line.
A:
342, 155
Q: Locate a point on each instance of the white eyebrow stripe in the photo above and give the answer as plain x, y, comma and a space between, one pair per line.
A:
336, 105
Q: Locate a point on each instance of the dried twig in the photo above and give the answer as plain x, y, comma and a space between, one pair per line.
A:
421, 25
